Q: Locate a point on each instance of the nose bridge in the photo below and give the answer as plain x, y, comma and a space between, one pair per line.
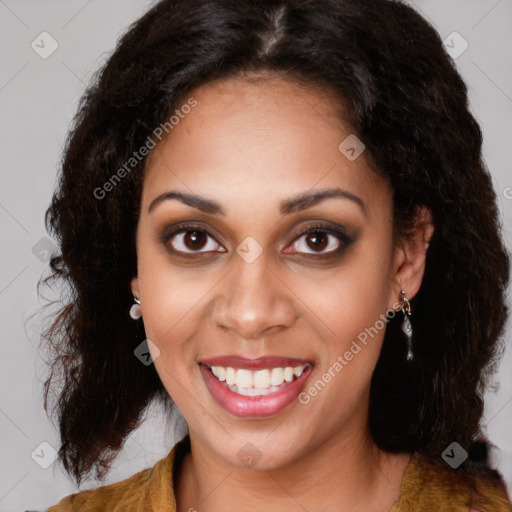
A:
251, 282
254, 300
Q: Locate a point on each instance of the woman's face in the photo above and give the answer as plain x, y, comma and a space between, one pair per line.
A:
244, 288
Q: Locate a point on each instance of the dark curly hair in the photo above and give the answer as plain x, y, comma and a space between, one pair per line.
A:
409, 106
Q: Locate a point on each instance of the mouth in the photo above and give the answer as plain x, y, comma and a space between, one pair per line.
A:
250, 388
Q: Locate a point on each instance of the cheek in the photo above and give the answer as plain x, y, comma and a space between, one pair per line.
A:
170, 315
172, 305
354, 306
171, 324
355, 295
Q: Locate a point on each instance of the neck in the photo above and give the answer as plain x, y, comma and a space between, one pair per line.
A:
344, 473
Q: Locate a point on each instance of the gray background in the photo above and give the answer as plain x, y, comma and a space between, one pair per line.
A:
38, 98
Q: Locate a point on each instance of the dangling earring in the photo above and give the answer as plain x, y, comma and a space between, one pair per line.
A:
406, 324
135, 311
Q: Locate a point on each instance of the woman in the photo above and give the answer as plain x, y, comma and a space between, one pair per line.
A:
264, 223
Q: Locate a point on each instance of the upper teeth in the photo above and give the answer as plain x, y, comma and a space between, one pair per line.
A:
260, 379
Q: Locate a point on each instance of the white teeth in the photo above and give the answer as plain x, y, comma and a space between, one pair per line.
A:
219, 372
276, 376
288, 374
253, 391
243, 379
255, 383
230, 376
261, 379
297, 371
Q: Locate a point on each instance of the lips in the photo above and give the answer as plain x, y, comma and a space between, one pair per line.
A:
255, 364
255, 388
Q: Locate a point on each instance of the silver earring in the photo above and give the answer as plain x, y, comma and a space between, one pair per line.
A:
406, 324
135, 311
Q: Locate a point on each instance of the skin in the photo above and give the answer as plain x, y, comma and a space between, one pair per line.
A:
248, 145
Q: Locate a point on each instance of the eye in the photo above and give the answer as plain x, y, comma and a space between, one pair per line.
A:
191, 239
319, 240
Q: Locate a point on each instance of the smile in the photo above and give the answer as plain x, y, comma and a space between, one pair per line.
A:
255, 388
257, 383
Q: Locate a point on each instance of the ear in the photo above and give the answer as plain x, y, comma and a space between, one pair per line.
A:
410, 258
134, 285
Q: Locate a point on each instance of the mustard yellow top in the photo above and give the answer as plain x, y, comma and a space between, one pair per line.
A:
426, 487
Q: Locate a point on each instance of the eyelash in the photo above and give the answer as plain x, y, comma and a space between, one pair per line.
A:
344, 239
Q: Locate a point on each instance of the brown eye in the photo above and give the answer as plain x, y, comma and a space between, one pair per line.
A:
194, 239
319, 241
190, 240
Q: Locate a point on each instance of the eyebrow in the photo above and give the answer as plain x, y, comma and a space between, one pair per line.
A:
291, 205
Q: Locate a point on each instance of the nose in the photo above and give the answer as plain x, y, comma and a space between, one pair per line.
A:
254, 301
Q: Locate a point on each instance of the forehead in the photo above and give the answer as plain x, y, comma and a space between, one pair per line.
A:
259, 141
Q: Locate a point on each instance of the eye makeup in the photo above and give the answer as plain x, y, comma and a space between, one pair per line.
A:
181, 239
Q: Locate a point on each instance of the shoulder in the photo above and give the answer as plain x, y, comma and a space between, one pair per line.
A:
132, 494
432, 485
124, 495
